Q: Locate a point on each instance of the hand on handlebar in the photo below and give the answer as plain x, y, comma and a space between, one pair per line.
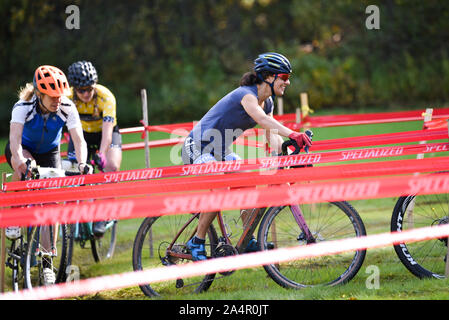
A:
302, 139
85, 168
100, 160
25, 168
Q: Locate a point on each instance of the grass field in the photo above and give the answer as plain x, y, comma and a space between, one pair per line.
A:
395, 282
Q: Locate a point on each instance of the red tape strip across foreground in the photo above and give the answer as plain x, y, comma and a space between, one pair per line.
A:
250, 260
235, 180
166, 204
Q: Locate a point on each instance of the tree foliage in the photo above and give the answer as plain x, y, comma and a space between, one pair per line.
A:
189, 53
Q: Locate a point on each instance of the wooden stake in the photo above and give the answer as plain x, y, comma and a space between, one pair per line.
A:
3, 248
411, 206
143, 94
280, 106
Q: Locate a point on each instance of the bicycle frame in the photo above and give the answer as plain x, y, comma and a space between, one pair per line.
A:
249, 227
83, 230
251, 223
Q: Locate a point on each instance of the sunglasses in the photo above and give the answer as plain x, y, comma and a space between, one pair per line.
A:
283, 76
82, 90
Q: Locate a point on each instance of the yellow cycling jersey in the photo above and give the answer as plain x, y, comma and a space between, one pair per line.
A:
101, 108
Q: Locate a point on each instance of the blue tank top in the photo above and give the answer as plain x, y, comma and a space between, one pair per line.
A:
42, 133
226, 121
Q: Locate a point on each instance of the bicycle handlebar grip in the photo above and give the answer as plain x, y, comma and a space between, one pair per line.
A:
87, 169
28, 164
289, 143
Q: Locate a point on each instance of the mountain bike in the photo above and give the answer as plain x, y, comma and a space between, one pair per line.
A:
161, 241
424, 259
38, 249
82, 233
101, 247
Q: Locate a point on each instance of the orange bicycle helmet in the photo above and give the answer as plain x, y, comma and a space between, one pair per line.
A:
51, 81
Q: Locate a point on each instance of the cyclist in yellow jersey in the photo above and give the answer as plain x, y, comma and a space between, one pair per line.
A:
96, 106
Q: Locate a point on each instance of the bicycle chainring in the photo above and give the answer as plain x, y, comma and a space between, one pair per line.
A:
225, 250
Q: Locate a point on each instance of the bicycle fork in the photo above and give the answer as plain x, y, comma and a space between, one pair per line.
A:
299, 217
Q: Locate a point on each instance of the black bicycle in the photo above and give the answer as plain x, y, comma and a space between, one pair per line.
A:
424, 259
38, 256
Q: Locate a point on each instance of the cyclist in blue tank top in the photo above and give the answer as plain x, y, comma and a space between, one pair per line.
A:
249, 105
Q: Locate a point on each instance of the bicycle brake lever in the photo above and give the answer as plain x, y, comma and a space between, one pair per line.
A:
309, 133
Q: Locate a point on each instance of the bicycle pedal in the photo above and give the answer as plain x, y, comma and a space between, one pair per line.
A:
179, 283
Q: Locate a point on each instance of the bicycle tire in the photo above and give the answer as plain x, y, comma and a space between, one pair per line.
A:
36, 255
327, 221
424, 259
16, 265
163, 231
79, 233
104, 247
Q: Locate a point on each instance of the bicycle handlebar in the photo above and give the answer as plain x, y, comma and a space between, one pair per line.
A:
34, 171
293, 143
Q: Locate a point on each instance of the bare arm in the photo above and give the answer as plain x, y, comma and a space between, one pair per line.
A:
15, 143
274, 139
106, 136
79, 143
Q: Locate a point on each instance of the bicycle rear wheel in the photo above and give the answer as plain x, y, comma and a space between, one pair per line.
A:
154, 237
424, 259
326, 221
40, 254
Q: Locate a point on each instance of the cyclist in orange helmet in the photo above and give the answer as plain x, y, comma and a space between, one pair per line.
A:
37, 121
35, 133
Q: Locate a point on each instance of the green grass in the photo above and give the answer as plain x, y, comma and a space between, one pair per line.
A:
395, 282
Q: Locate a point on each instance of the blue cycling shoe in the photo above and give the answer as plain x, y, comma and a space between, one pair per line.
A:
198, 251
252, 246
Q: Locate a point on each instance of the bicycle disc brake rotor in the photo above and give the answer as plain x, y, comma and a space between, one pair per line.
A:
225, 250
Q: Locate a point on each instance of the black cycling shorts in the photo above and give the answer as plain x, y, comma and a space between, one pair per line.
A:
50, 159
93, 141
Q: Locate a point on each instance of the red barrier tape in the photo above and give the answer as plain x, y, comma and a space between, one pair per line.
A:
235, 180
156, 205
359, 119
317, 121
171, 171
249, 260
228, 166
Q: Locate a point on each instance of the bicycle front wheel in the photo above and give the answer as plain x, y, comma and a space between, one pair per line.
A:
161, 241
103, 247
326, 221
46, 249
424, 259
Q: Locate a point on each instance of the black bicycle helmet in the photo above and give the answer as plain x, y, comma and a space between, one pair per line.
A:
82, 74
272, 62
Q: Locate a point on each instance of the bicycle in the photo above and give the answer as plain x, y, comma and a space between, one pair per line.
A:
101, 247
38, 247
424, 259
281, 226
